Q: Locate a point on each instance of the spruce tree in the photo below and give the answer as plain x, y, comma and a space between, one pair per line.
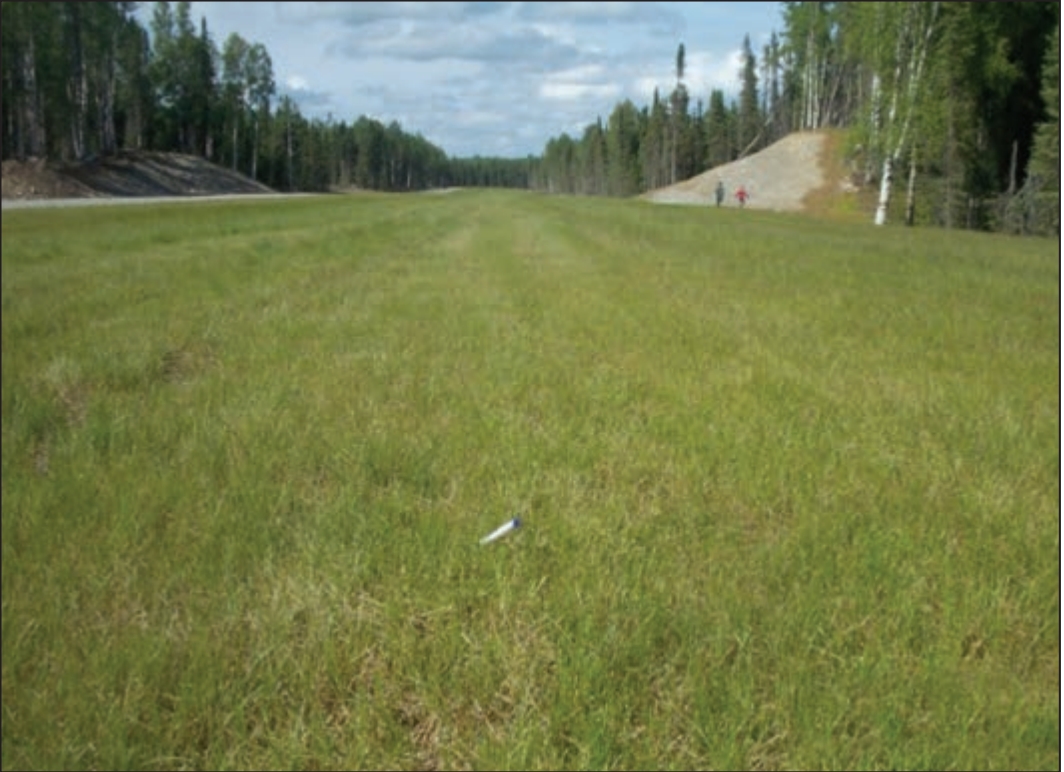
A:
749, 123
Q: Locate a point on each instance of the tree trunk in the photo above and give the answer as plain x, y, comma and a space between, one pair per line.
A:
235, 137
255, 153
34, 126
77, 86
750, 147
16, 119
917, 56
1012, 169
889, 160
949, 164
884, 189
910, 198
873, 143
106, 100
288, 132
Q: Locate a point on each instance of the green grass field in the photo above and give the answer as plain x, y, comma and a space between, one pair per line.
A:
791, 489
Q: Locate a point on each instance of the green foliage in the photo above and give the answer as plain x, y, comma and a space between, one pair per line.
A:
791, 490
182, 71
951, 88
623, 133
81, 79
1042, 188
812, 48
719, 147
181, 94
247, 86
748, 114
662, 143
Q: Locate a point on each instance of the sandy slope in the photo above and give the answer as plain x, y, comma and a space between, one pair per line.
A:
778, 177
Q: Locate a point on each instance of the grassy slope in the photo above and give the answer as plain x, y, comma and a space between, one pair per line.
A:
791, 488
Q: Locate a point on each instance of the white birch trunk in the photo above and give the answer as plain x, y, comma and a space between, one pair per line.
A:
884, 189
887, 175
810, 83
917, 57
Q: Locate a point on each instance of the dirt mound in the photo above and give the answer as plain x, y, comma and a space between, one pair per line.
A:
37, 178
127, 174
778, 177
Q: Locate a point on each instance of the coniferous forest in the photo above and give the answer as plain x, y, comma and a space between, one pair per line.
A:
959, 101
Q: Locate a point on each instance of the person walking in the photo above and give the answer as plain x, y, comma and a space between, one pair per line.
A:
720, 193
742, 195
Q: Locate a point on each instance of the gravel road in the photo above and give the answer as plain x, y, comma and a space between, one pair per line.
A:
51, 203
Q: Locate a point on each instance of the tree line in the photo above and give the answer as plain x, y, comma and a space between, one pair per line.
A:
672, 140
960, 102
957, 103
85, 79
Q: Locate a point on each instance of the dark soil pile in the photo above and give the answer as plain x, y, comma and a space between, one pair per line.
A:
127, 174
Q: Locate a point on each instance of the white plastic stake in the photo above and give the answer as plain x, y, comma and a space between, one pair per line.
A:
502, 530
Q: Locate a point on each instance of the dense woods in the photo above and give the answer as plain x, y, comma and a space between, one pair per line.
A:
85, 79
952, 105
952, 109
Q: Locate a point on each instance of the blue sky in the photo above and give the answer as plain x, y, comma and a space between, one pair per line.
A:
494, 79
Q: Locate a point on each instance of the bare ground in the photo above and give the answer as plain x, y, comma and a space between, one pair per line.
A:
779, 178
126, 174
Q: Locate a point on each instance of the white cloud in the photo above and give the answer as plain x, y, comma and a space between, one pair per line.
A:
588, 81
360, 13
703, 72
297, 83
578, 91
706, 72
490, 77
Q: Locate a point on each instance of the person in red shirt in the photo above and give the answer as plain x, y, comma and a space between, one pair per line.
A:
742, 195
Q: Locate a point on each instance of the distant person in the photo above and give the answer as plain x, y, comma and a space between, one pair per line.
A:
742, 195
720, 193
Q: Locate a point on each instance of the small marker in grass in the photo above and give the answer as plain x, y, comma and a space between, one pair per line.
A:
502, 530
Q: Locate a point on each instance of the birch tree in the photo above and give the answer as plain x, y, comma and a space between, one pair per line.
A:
260, 88
906, 29
809, 47
234, 89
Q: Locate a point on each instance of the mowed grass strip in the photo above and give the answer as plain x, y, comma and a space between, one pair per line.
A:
790, 489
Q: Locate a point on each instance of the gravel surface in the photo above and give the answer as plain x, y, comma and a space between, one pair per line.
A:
51, 203
776, 178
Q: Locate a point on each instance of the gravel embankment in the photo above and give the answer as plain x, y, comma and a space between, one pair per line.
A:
776, 178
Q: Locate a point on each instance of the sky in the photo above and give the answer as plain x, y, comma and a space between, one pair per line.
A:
491, 79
